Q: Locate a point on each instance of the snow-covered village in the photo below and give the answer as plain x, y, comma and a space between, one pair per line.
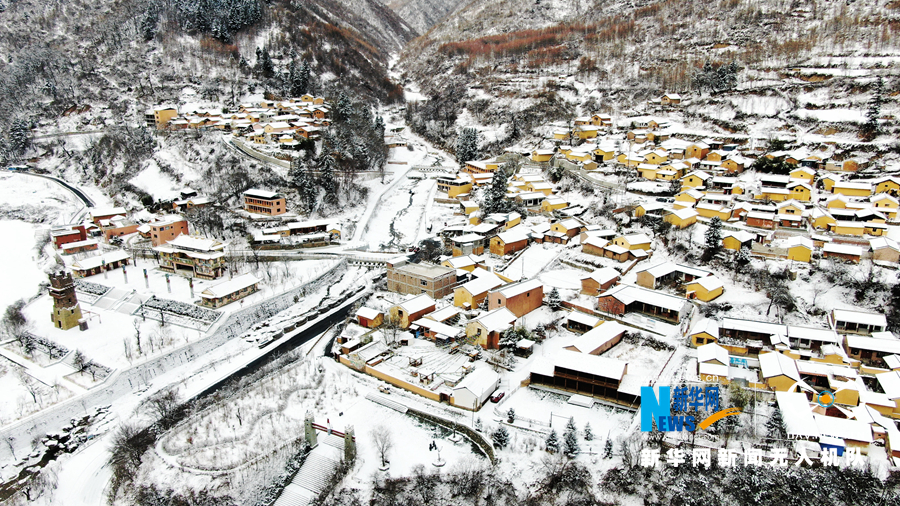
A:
347, 252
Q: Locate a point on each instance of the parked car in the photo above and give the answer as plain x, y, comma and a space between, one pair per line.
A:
497, 397
383, 389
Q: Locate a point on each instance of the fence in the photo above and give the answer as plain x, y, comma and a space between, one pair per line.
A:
483, 444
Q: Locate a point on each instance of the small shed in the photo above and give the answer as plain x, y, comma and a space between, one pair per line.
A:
475, 389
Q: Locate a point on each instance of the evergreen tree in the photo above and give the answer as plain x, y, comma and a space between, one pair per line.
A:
495, 200
264, 63
607, 449
588, 433
467, 145
305, 184
553, 300
570, 438
775, 425
19, 137
741, 258
713, 239
508, 338
328, 178
343, 107
511, 415
149, 25
500, 437
303, 77
870, 128
552, 442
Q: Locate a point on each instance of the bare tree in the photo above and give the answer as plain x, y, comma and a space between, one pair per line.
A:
162, 405
381, 435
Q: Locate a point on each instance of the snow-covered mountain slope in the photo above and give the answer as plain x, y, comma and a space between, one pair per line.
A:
423, 14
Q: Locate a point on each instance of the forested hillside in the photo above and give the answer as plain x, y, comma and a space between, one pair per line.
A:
538, 60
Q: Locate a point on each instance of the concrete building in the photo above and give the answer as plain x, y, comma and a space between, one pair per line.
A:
167, 228
264, 202
434, 280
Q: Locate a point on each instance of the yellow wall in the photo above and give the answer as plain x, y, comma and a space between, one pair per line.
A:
461, 296
702, 293
691, 182
702, 335
541, 158
841, 230
852, 192
799, 254
886, 187
800, 193
678, 222
731, 243
604, 155
709, 213
822, 222
458, 190
780, 383
774, 197
548, 207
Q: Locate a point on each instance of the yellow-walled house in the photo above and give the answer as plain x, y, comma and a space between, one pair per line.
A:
657, 157
539, 186
551, 204
852, 189
778, 371
737, 189
601, 120
708, 210
799, 248
887, 185
648, 207
736, 240
633, 242
694, 179
790, 207
542, 155
560, 134
800, 191
821, 219
648, 171
837, 202
697, 150
687, 198
454, 187
586, 132
468, 206
578, 155
667, 174
886, 204
716, 156
828, 181
705, 288
856, 228
604, 153
705, 331
803, 173
682, 218
733, 165
773, 194
632, 160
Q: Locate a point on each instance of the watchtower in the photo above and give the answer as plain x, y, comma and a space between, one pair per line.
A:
66, 311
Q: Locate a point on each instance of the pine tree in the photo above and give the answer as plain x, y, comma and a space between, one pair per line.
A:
552, 442
607, 449
870, 128
19, 136
328, 178
303, 76
511, 415
741, 258
467, 145
775, 425
553, 300
305, 184
500, 437
588, 433
495, 200
714, 234
509, 338
570, 438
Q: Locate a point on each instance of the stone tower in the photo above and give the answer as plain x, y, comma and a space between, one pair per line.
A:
66, 311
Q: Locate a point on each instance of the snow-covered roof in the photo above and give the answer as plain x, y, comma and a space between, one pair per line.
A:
591, 364
776, 364
882, 243
712, 351
797, 414
799, 240
666, 268
707, 325
630, 293
497, 320
850, 185
583, 318
634, 239
520, 288
441, 328
685, 213
843, 428
741, 235
570, 223
368, 313
467, 238
890, 383
107, 211
598, 337
891, 346
443, 314
709, 283
514, 234
603, 275
226, 288
596, 241
481, 382
263, 194
96, 261
863, 317
417, 303
482, 284
812, 334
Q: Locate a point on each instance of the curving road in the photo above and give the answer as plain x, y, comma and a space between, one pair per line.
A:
73, 189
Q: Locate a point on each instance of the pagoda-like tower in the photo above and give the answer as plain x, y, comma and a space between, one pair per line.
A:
66, 311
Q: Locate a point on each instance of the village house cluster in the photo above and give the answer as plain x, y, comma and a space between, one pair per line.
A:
838, 385
284, 123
